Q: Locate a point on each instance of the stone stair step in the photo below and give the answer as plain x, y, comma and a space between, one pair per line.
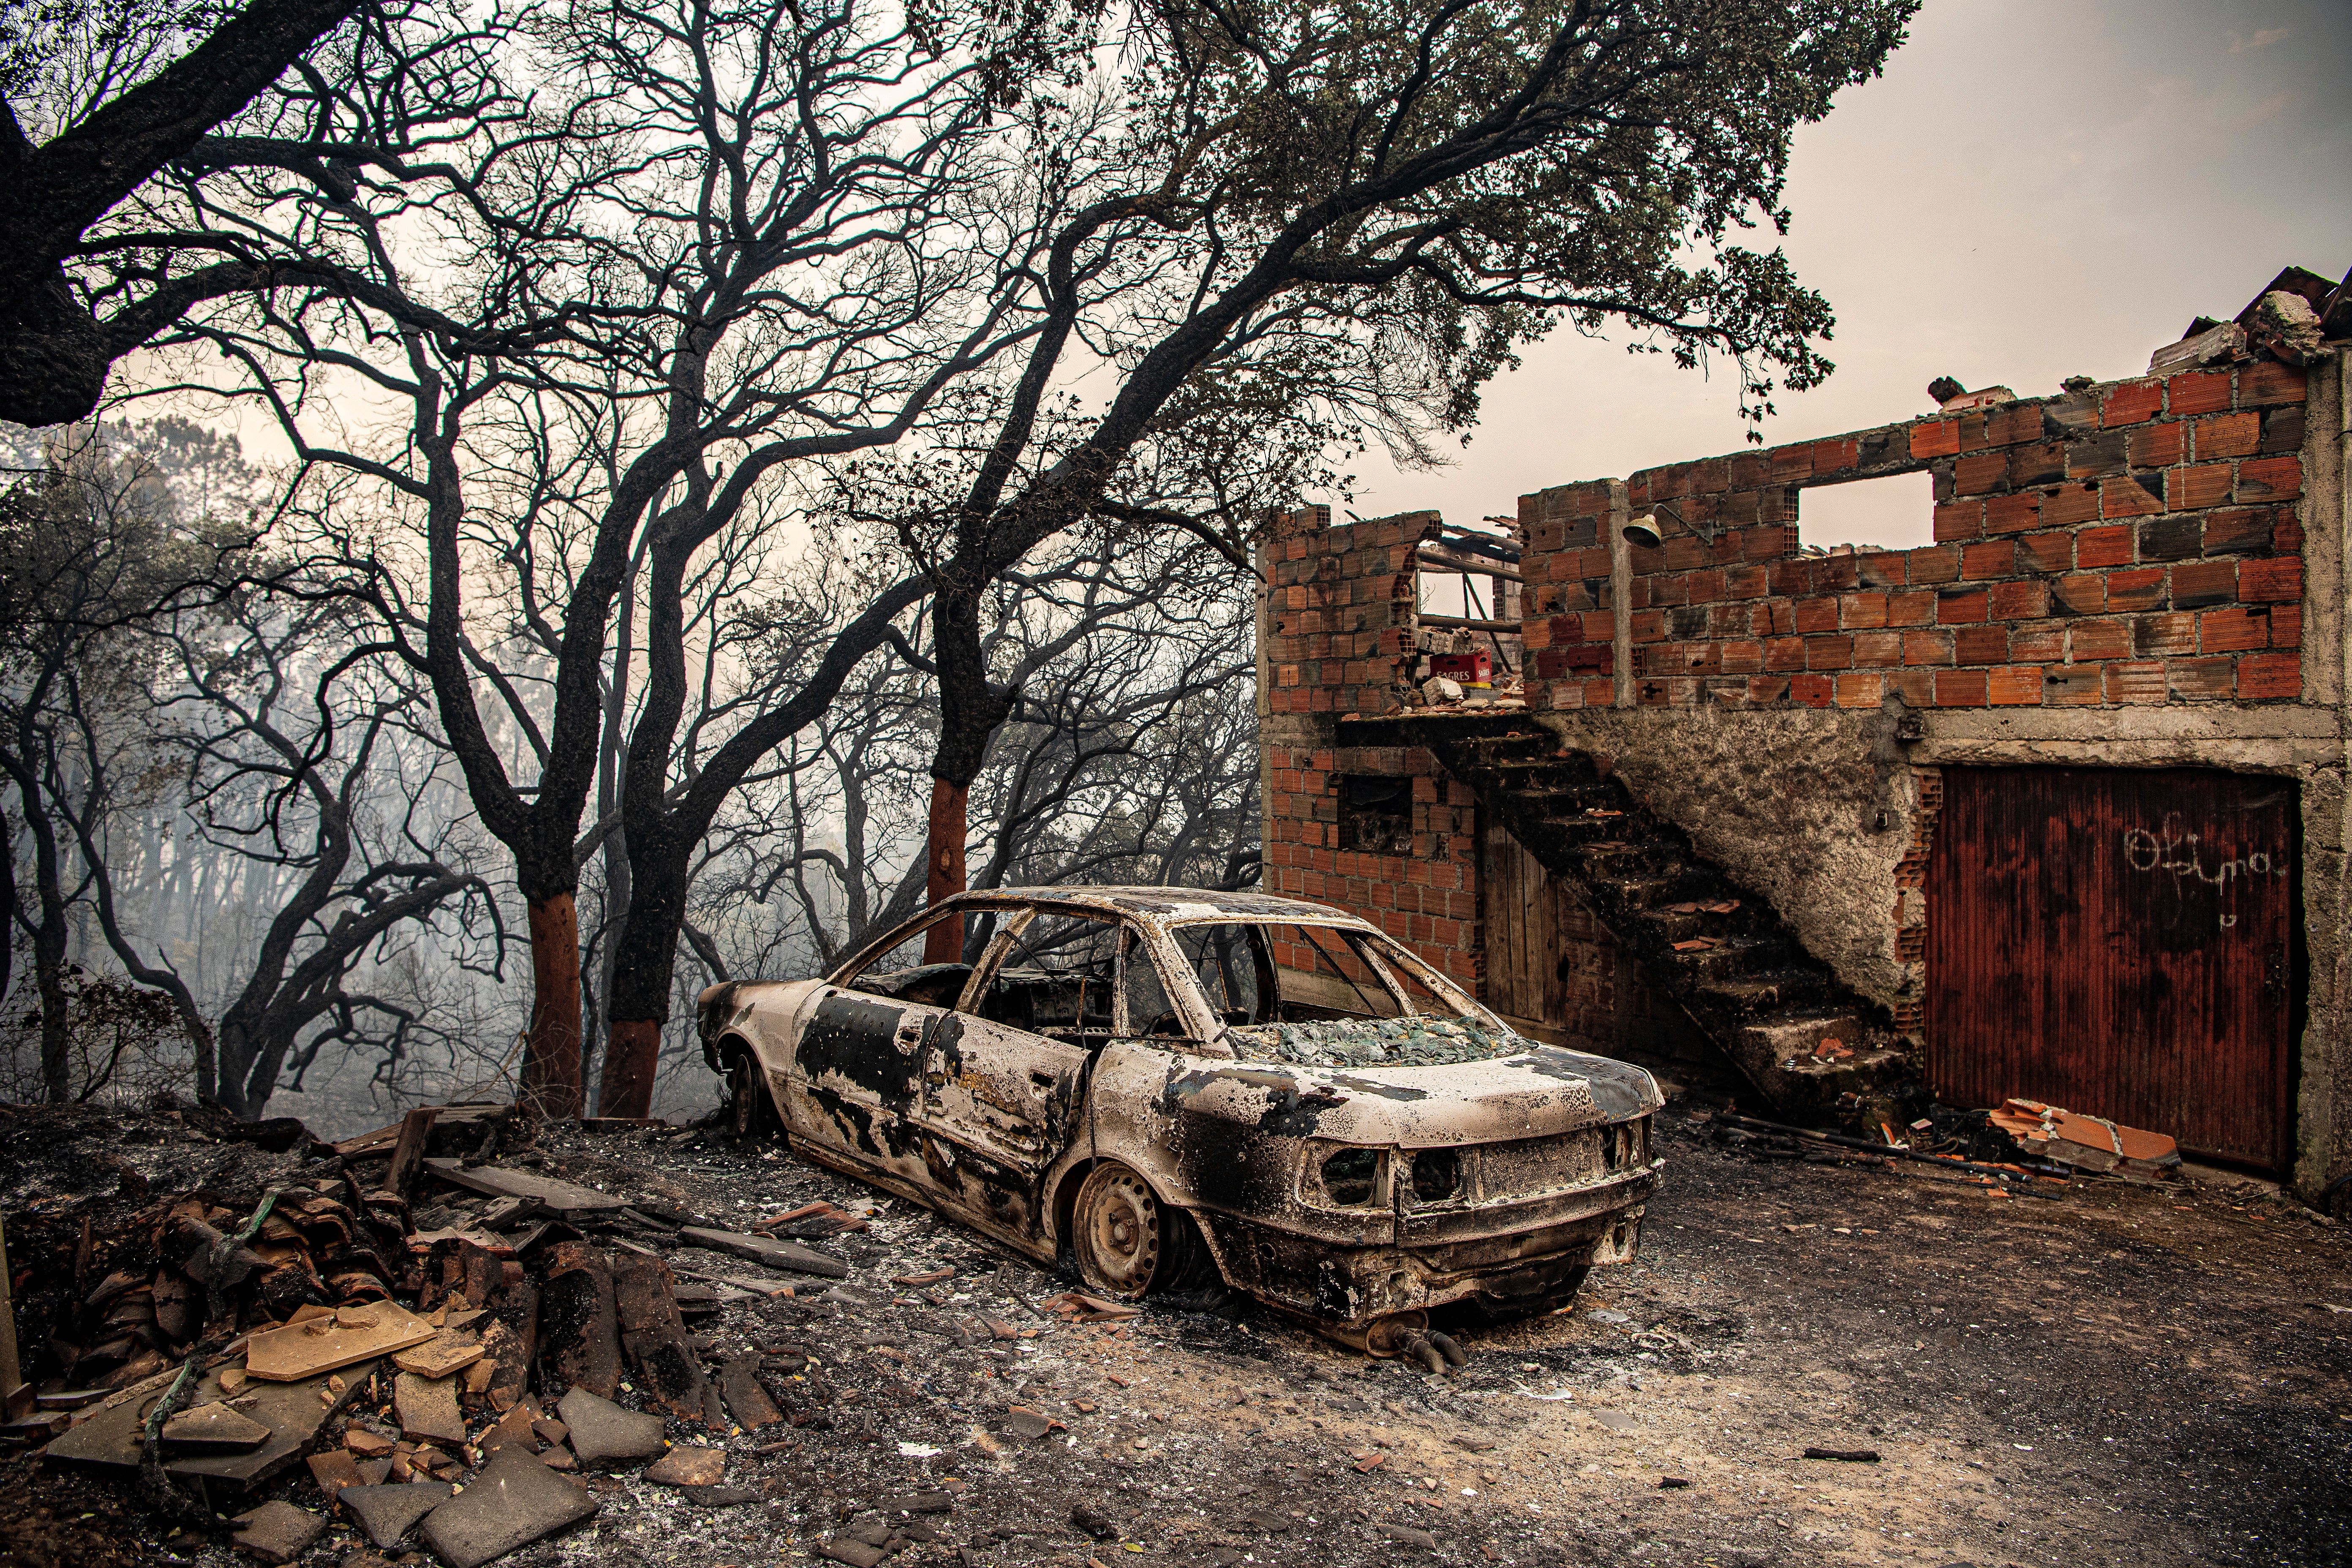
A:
1570, 831
1522, 778
1778, 1056
1647, 858
1731, 958
1636, 890
1663, 925
1492, 749
1751, 996
1596, 803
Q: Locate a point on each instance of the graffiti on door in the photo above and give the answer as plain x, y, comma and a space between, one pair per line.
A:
2183, 855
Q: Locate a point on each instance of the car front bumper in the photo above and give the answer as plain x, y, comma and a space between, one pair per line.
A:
1501, 1255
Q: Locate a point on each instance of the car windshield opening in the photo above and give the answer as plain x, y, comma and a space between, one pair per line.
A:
1334, 995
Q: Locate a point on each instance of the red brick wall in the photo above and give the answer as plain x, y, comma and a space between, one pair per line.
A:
1342, 605
2128, 543
1428, 899
1569, 629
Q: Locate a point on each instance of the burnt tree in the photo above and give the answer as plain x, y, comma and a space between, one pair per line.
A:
55, 351
1368, 213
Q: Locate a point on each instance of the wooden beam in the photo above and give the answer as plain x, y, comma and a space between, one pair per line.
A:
1468, 565
415, 1137
1470, 623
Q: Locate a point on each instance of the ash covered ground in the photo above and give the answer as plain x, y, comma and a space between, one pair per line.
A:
2124, 1376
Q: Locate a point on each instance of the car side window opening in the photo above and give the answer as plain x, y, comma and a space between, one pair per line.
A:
1054, 975
899, 973
1234, 967
1150, 1014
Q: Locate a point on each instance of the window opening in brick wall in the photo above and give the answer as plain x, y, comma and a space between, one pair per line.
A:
1447, 593
1376, 816
1893, 513
1449, 586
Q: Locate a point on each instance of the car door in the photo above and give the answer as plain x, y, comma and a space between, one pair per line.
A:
1004, 1077
857, 1065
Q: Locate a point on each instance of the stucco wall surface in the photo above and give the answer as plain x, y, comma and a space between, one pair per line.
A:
1789, 802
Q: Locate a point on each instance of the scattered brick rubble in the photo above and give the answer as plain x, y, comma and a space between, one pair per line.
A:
2089, 1142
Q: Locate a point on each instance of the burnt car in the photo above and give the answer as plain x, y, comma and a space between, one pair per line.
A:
1169, 1086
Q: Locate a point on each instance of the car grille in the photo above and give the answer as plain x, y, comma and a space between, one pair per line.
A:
1534, 1166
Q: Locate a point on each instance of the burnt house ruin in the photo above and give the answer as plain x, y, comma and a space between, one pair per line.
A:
2052, 807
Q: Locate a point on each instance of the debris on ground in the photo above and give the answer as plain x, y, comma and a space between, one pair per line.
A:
395, 1315
2090, 1143
1773, 1140
948, 1397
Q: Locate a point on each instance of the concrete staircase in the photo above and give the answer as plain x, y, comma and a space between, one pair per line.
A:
1739, 973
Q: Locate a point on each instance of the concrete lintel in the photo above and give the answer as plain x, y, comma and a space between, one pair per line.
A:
2285, 721
2237, 754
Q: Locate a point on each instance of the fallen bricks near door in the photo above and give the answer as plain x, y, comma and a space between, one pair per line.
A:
2087, 1143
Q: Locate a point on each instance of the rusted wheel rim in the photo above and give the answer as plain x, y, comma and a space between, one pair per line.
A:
1117, 1231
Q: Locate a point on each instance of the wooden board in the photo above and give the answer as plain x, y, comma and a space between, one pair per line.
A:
1520, 902
382, 1141
498, 1182
763, 1249
2121, 942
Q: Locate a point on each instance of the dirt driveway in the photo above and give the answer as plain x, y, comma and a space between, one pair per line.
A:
2122, 1376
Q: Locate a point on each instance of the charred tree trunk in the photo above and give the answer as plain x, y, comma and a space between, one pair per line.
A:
662, 836
946, 873
48, 930
540, 832
49, 976
644, 966
637, 996
970, 708
551, 1066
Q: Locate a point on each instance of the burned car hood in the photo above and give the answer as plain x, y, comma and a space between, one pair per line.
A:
1535, 1092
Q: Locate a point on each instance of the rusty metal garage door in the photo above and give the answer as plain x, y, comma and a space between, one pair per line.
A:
2120, 942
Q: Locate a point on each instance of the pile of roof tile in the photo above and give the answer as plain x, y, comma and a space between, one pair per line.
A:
445, 1371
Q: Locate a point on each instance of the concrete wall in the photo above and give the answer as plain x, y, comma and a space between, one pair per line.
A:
1812, 810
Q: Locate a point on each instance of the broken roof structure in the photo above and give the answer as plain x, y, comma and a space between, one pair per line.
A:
2048, 807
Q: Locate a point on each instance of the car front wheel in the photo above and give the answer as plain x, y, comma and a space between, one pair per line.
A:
1120, 1232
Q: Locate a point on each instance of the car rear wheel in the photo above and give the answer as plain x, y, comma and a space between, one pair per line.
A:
1127, 1241
749, 1113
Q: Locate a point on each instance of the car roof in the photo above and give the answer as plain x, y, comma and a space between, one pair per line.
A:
1170, 905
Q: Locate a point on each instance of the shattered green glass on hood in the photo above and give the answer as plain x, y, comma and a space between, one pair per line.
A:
1375, 1042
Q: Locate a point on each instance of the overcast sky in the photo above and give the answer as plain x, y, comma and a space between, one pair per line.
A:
2036, 189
